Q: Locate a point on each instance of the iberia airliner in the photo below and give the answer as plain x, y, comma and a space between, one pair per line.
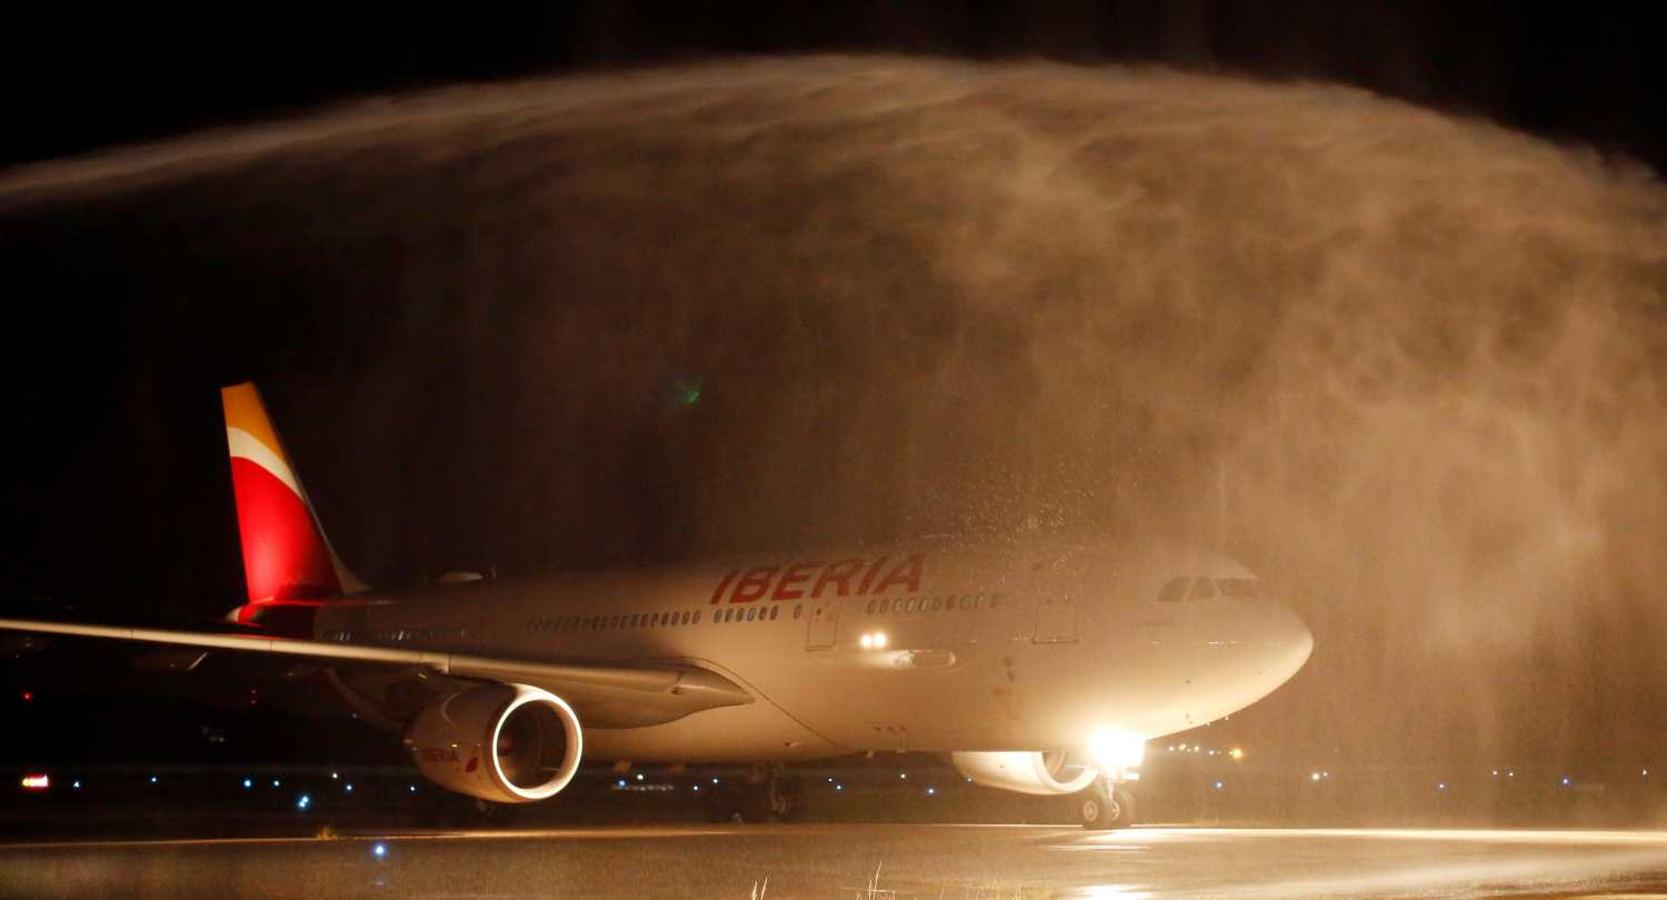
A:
1038, 667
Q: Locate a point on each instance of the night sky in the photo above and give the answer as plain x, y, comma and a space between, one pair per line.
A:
129, 309
1576, 72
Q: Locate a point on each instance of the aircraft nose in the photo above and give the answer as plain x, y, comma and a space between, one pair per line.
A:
1287, 638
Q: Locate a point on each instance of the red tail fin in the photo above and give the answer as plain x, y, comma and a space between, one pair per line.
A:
286, 556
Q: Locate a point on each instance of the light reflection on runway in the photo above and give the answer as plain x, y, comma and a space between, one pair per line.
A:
849, 860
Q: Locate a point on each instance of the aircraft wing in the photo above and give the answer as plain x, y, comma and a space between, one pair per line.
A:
605, 696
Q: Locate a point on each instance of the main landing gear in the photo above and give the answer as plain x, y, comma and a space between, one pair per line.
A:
1105, 804
765, 796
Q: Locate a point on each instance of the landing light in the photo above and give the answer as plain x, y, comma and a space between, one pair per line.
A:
37, 781
1116, 749
379, 850
873, 640
1236, 753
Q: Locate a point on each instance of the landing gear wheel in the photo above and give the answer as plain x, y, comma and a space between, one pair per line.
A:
1100, 808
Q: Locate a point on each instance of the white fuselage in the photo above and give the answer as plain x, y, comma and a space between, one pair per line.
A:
935, 647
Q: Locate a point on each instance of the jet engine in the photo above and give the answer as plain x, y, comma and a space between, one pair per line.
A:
1028, 772
507, 743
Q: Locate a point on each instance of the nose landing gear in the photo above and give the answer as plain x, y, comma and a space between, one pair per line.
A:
1105, 804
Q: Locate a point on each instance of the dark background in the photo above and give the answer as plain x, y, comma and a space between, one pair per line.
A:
81, 79
112, 509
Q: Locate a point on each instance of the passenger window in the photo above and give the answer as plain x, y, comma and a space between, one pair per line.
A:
871, 607
1174, 590
751, 611
1203, 588
696, 619
797, 610
775, 613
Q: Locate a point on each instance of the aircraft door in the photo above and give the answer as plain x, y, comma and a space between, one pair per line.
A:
823, 629
1056, 602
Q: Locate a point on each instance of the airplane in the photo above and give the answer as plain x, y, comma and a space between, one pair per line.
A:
1037, 665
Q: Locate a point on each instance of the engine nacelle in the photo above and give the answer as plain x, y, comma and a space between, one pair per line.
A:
1027, 772
508, 743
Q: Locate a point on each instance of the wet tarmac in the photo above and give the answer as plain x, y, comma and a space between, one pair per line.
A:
866, 861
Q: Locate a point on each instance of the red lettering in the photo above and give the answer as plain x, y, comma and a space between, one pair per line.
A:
753, 585
868, 577
905, 573
837, 573
718, 594
795, 574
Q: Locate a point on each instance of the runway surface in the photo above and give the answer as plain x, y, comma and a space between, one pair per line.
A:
947, 861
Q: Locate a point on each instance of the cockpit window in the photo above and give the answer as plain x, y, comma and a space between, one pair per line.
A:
1203, 588
1174, 590
1239, 587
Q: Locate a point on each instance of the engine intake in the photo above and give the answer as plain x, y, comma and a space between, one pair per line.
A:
1027, 772
507, 743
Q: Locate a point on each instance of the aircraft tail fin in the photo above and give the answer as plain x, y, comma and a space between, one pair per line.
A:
286, 555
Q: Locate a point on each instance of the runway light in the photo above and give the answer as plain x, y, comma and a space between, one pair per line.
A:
931, 792
304, 802
620, 783
1442, 786
1236, 753
75, 785
335, 776
28, 696
905, 775
413, 788
153, 779
379, 850
839, 787
1313, 776
639, 776
714, 781
349, 787
1112, 749
36, 781
1219, 785
1567, 781
248, 783
697, 787
276, 783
